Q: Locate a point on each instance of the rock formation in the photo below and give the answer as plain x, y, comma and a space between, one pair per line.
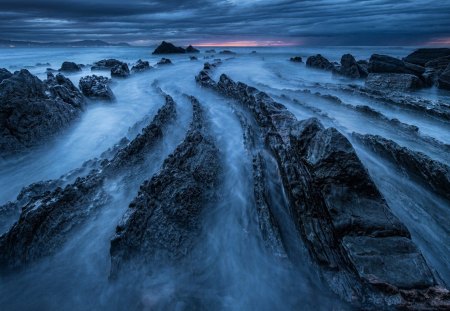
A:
96, 87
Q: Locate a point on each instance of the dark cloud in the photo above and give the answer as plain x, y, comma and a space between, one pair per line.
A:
369, 22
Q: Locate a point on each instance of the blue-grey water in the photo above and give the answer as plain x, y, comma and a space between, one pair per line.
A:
77, 276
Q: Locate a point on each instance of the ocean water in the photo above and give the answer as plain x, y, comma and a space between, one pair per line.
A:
76, 278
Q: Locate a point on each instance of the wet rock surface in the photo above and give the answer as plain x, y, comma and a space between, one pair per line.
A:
444, 79
350, 68
163, 221
337, 207
387, 64
422, 56
31, 110
106, 64
296, 59
141, 66
120, 71
319, 62
96, 87
70, 67
165, 61
393, 82
4, 74
50, 210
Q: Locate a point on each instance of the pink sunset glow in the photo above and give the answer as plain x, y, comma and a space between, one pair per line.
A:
248, 43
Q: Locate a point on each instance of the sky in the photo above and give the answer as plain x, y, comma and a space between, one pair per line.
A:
230, 22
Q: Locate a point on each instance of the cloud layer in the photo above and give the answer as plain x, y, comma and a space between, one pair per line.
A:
326, 22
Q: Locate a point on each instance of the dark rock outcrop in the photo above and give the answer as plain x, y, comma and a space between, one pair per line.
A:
140, 66
227, 52
387, 64
164, 61
168, 48
361, 249
96, 87
393, 82
4, 74
106, 64
319, 62
120, 71
444, 79
191, 49
350, 68
416, 165
163, 221
422, 56
210, 51
32, 110
296, 59
70, 67
193, 58
50, 211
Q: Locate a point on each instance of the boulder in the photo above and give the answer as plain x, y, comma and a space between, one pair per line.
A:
319, 62
227, 52
350, 68
141, 66
70, 67
96, 87
164, 61
168, 48
296, 59
444, 79
120, 71
191, 49
106, 64
387, 64
193, 58
4, 74
422, 56
32, 110
393, 82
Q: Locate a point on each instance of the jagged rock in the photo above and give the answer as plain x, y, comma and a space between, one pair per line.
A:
393, 82
337, 207
141, 66
96, 87
121, 71
319, 62
227, 52
164, 61
163, 221
106, 64
444, 79
70, 67
4, 74
32, 110
191, 49
422, 56
296, 59
387, 64
416, 165
350, 68
168, 48
50, 212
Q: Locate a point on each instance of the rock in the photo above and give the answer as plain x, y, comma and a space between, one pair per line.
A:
319, 62
387, 64
164, 61
422, 56
349, 68
121, 71
32, 111
191, 49
69, 67
296, 59
416, 165
96, 87
393, 82
141, 66
438, 63
227, 52
210, 51
168, 48
444, 79
193, 58
337, 208
106, 64
163, 222
4, 74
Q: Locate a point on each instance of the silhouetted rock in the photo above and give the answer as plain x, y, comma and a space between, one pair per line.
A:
163, 222
296, 59
227, 52
319, 62
191, 49
444, 79
165, 61
106, 64
121, 71
96, 87
387, 64
4, 74
350, 68
32, 110
70, 67
393, 82
193, 58
141, 66
422, 56
168, 48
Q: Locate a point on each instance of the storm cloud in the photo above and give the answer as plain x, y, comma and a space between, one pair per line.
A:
340, 22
